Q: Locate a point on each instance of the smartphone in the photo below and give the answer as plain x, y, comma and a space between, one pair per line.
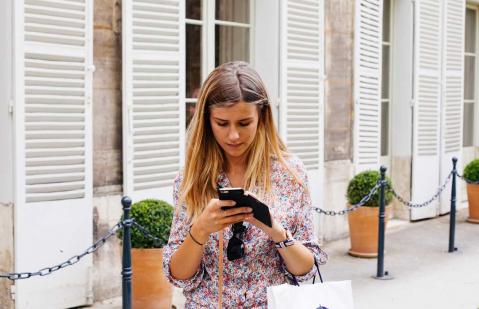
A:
260, 210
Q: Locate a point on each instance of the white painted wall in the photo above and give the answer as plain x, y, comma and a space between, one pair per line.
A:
266, 48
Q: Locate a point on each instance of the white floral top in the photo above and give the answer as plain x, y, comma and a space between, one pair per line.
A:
245, 280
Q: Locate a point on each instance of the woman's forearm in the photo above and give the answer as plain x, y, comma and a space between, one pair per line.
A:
186, 260
298, 259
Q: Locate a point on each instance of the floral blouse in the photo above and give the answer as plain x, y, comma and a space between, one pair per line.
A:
245, 280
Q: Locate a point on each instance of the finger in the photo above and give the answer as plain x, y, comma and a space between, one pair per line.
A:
236, 218
225, 203
235, 211
257, 223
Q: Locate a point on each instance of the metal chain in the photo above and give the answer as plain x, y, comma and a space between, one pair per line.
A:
353, 207
467, 180
145, 232
71, 261
426, 203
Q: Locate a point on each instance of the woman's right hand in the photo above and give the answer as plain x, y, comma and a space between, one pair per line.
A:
214, 219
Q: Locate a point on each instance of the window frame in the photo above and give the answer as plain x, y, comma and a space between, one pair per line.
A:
208, 22
385, 160
475, 128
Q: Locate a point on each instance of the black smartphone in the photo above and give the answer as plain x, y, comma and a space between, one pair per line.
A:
260, 210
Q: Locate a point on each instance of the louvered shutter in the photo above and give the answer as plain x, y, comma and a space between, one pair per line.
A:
452, 92
302, 85
427, 98
53, 49
301, 117
153, 96
367, 84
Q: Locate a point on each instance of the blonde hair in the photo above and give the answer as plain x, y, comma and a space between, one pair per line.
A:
227, 85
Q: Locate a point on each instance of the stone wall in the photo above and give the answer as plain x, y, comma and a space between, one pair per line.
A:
107, 260
107, 145
338, 110
107, 97
6, 253
339, 51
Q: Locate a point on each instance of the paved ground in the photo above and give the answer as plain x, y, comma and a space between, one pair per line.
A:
425, 274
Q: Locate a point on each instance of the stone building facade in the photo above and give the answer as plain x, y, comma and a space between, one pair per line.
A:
344, 30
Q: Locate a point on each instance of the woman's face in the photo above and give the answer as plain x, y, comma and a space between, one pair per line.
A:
234, 128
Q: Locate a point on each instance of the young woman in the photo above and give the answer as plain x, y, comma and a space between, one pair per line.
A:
233, 143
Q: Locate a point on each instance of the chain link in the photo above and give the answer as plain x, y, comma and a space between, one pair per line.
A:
71, 261
426, 203
467, 180
158, 241
353, 207
99, 243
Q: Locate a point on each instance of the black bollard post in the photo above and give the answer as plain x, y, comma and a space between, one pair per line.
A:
452, 213
380, 274
126, 272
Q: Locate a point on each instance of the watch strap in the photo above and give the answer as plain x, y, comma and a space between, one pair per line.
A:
289, 241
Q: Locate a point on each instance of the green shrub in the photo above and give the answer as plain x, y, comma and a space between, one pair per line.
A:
471, 171
155, 216
361, 185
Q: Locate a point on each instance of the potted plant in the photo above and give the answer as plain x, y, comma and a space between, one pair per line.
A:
150, 287
363, 222
471, 173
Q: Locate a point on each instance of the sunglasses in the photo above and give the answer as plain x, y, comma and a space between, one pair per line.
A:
235, 249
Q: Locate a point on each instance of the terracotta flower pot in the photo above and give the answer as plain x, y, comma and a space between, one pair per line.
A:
363, 231
473, 198
151, 289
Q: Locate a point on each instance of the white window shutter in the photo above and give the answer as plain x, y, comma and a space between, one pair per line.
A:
301, 117
452, 93
53, 148
57, 93
427, 98
367, 84
301, 78
153, 96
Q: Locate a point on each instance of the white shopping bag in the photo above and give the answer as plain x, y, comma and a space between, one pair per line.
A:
328, 295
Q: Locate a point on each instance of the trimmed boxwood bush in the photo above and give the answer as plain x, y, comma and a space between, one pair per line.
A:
361, 185
471, 171
155, 216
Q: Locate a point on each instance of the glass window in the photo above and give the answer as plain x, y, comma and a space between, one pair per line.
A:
193, 60
470, 59
470, 38
227, 22
384, 128
232, 43
468, 136
469, 77
386, 20
232, 10
193, 9
385, 73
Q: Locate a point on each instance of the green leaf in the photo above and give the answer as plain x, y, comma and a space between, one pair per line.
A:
471, 171
153, 215
362, 184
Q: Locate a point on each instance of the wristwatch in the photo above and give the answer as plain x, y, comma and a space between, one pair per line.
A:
285, 243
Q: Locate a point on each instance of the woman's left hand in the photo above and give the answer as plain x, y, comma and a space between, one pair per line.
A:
277, 232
